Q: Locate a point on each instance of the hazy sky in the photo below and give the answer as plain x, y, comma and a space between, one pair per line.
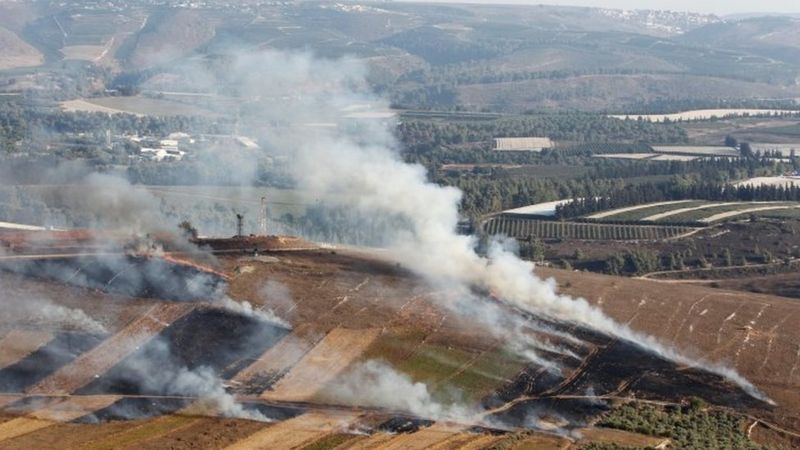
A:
721, 7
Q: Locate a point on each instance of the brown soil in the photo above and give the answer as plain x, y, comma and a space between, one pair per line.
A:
296, 432
205, 433
755, 334
68, 409
350, 299
20, 426
67, 436
619, 437
322, 364
259, 243
17, 344
422, 439
14, 52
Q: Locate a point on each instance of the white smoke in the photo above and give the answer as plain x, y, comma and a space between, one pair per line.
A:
376, 383
358, 166
246, 308
158, 371
44, 312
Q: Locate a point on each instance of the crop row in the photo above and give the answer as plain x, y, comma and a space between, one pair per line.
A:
522, 228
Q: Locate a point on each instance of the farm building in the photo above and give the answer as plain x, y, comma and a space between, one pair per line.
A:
522, 144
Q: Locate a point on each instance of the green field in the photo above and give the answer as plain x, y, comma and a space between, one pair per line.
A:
699, 214
639, 214
691, 216
442, 367
522, 228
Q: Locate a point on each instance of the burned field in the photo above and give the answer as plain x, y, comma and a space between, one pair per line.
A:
127, 275
168, 362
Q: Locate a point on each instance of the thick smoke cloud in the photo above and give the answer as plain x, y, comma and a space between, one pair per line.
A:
357, 165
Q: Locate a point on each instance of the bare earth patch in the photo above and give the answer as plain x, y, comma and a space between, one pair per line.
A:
322, 364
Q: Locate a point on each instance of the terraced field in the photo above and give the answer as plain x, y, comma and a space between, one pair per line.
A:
522, 228
692, 211
349, 309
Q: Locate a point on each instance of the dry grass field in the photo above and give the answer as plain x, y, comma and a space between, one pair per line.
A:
350, 307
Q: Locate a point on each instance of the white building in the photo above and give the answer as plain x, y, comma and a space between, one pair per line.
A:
522, 144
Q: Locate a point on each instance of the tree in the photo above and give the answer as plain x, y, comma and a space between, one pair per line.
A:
188, 229
746, 150
726, 255
731, 141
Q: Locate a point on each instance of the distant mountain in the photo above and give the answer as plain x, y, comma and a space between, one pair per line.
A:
782, 31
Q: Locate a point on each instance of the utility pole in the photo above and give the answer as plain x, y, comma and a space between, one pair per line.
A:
239, 225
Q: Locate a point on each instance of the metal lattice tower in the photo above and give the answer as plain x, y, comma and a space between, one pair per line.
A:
262, 224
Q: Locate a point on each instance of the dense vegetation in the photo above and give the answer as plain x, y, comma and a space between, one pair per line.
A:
689, 427
420, 136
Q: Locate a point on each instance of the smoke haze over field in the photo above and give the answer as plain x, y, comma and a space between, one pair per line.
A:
357, 165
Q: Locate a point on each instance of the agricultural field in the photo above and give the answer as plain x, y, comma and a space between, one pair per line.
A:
689, 211
137, 105
522, 228
349, 310
638, 211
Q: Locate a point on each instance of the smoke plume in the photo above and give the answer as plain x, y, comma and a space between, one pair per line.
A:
357, 165
376, 383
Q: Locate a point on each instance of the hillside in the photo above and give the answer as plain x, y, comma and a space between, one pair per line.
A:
14, 52
352, 316
752, 32
439, 56
165, 37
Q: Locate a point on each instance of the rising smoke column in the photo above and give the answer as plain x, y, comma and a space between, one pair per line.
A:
357, 165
